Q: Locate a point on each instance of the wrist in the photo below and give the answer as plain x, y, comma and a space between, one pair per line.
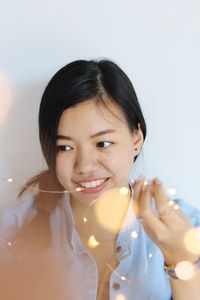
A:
170, 270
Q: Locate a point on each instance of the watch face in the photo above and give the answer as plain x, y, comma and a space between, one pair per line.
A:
197, 264
171, 273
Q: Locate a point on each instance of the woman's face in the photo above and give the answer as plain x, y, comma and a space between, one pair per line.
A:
95, 150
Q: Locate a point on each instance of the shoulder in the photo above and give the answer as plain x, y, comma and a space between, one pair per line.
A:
16, 215
192, 212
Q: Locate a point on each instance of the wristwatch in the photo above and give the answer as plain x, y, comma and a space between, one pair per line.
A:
171, 273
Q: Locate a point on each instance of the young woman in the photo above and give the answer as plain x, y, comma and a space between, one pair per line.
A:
107, 237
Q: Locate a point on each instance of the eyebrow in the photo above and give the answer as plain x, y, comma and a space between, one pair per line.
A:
100, 133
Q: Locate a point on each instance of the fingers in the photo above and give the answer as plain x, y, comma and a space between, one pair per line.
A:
137, 187
168, 211
142, 204
150, 221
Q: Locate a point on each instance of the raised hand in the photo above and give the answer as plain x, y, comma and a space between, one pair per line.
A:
166, 224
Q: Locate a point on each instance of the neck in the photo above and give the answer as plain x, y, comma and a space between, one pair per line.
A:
104, 218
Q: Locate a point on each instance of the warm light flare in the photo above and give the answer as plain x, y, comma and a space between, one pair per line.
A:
134, 234
192, 240
92, 242
120, 297
10, 180
124, 191
171, 191
185, 270
110, 207
5, 97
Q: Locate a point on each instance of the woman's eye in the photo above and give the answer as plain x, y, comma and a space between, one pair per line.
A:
104, 144
64, 148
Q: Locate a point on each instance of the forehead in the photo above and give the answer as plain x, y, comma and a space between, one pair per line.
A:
90, 116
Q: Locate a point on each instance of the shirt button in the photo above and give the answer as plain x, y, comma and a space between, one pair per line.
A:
118, 249
116, 286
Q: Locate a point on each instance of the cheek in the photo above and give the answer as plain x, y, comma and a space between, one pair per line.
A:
63, 167
124, 161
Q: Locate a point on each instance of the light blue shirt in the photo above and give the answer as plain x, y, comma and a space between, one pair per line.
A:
140, 260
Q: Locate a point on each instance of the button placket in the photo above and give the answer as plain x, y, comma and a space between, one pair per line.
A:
116, 286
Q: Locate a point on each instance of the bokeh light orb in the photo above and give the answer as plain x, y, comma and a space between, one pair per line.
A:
192, 240
5, 97
124, 191
171, 191
185, 270
111, 208
120, 297
92, 242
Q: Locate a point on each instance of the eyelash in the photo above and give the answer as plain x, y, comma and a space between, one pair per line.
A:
62, 148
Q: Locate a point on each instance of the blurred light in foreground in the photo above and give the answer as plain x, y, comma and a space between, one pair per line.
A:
84, 220
185, 270
92, 242
171, 191
120, 297
145, 183
171, 203
192, 240
9, 180
110, 209
5, 97
124, 191
134, 234
123, 278
176, 206
150, 255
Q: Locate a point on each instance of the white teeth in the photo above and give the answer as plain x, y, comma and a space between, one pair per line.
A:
92, 184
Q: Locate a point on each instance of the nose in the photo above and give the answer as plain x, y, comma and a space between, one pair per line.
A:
86, 162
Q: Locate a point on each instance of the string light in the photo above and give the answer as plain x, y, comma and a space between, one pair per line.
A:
134, 234
78, 189
176, 206
145, 183
93, 242
123, 278
171, 191
120, 297
10, 180
171, 203
124, 191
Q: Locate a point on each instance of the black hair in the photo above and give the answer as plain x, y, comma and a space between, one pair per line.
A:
74, 83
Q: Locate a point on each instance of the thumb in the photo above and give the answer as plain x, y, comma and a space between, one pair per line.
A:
137, 188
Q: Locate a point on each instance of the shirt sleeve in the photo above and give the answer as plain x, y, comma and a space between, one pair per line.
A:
14, 217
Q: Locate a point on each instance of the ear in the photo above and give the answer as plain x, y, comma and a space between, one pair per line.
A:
138, 140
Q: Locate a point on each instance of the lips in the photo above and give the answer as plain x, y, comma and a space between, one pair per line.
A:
90, 179
93, 190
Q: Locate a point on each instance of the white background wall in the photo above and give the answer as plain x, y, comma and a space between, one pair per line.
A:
156, 42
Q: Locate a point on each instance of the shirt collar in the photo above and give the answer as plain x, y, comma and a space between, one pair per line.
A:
74, 237
130, 225
129, 230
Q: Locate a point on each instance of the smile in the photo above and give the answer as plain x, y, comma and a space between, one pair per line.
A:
93, 186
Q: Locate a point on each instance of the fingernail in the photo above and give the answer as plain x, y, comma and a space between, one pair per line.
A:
145, 184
